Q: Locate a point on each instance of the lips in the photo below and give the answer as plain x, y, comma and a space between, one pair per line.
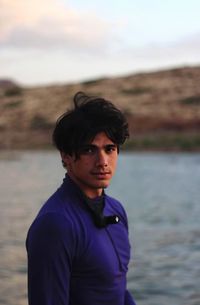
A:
101, 175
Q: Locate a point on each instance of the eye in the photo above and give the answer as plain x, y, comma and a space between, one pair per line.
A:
110, 148
87, 150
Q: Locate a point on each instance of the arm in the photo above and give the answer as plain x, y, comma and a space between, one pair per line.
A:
49, 261
128, 299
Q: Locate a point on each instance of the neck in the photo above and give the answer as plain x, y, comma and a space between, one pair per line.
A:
87, 191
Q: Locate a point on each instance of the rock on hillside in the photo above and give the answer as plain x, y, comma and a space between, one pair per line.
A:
156, 104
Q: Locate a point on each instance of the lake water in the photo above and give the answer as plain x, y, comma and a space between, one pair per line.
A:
161, 194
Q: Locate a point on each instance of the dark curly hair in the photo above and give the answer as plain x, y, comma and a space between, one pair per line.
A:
90, 116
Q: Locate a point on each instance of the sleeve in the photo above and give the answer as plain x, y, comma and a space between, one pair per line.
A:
128, 299
50, 253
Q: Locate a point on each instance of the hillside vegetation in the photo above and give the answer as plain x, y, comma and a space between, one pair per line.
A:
163, 109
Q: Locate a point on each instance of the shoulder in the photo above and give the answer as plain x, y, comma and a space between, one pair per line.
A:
58, 221
49, 234
50, 222
55, 213
50, 226
117, 208
116, 204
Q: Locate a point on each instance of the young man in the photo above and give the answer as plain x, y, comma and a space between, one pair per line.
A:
78, 247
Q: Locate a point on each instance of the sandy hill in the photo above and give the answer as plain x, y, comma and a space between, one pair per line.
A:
163, 109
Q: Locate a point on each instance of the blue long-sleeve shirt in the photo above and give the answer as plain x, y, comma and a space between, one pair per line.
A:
73, 262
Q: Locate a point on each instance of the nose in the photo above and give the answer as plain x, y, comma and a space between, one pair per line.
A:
101, 159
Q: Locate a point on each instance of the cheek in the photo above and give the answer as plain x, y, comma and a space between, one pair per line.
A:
83, 165
113, 163
114, 166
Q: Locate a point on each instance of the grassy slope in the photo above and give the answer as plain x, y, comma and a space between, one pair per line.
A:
163, 109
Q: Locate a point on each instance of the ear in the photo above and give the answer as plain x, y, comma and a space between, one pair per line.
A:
67, 159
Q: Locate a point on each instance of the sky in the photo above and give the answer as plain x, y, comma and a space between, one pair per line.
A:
60, 41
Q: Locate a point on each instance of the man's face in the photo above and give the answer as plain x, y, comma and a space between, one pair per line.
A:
93, 170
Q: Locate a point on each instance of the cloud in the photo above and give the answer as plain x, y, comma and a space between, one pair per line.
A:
43, 41
191, 44
50, 24
185, 50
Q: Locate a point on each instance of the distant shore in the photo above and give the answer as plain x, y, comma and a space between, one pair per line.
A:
165, 142
162, 109
172, 141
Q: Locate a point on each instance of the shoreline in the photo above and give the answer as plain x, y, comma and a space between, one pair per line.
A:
172, 142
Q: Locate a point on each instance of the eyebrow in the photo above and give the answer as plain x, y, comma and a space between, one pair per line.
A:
111, 145
96, 146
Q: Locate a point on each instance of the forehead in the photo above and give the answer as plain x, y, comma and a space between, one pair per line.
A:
100, 139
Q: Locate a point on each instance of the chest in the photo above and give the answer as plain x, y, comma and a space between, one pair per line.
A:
104, 253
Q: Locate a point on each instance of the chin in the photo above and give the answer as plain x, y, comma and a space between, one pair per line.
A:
103, 185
